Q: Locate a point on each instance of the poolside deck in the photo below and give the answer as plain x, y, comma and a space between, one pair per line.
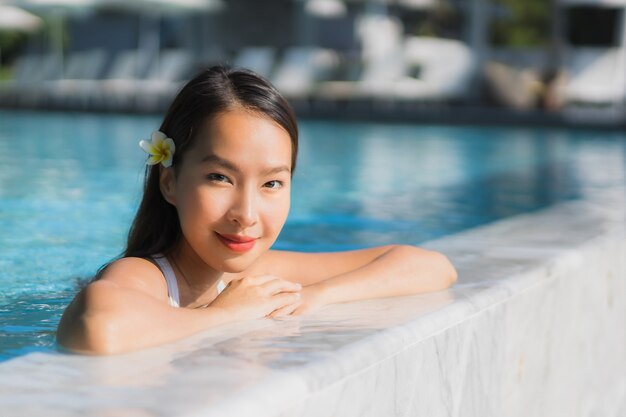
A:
407, 112
534, 326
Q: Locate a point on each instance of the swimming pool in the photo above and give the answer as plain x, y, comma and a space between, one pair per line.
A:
69, 185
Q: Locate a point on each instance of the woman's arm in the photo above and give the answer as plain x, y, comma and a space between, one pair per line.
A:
105, 318
127, 309
401, 270
384, 271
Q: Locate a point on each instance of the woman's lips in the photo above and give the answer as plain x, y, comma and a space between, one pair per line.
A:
237, 243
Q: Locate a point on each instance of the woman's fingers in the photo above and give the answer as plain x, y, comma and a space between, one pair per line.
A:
284, 299
268, 292
285, 310
278, 285
272, 281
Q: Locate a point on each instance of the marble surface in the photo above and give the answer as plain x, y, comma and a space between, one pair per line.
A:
534, 326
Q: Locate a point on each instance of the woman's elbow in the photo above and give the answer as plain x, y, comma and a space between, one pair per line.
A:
448, 269
442, 269
82, 330
88, 336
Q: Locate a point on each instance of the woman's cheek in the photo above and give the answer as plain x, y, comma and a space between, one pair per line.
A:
281, 213
212, 203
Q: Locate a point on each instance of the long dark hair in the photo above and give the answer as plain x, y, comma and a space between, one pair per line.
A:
212, 91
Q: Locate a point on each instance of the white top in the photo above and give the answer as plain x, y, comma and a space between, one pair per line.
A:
170, 278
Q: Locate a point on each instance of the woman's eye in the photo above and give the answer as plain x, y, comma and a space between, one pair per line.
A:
217, 178
274, 184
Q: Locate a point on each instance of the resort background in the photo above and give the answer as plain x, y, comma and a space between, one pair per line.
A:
531, 61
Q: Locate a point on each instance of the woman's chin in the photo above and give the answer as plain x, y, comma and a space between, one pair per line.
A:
238, 264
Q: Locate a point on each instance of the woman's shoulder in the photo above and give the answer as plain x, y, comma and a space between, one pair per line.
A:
138, 274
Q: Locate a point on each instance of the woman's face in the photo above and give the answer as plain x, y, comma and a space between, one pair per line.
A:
232, 190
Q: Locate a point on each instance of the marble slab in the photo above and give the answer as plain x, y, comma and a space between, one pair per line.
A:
534, 326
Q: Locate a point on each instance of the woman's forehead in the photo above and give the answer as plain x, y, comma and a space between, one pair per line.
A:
243, 134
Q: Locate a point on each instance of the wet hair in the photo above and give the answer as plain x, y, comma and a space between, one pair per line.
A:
212, 91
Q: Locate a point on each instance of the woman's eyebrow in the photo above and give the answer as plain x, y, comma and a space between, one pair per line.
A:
278, 169
212, 158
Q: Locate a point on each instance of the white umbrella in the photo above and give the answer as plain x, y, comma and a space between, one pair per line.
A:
14, 18
57, 9
326, 8
418, 4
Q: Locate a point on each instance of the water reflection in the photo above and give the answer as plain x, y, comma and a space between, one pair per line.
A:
412, 184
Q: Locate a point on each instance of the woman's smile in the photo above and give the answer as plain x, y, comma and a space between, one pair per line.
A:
237, 243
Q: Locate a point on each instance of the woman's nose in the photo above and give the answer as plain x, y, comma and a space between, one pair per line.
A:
244, 210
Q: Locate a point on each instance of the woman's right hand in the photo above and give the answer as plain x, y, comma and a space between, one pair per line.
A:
258, 296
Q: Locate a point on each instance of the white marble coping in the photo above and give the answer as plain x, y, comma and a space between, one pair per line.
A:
267, 367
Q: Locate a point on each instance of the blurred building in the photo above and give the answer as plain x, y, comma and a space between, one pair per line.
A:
328, 56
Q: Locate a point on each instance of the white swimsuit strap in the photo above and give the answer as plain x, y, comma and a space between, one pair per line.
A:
170, 278
172, 284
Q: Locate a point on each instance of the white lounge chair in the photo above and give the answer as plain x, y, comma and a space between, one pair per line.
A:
596, 76
382, 61
425, 69
163, 80
31, 92
26, 69
446, 69
117, 91
85, 65
82, 67
382, 56
302, 68
113, 91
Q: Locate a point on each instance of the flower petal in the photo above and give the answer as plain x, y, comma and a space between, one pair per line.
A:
157, 134
167, 162
170, 143
157, 137
147, 147
154, 159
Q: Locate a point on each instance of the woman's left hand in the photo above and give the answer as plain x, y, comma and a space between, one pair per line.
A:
310, 300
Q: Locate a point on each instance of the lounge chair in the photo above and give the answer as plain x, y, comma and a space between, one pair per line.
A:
381, 62
118, 91
444, 70
31, 92
82, 68
164, 79
301, 68
26, 69
596, 76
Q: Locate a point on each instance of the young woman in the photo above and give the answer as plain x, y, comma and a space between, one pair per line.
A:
216, 196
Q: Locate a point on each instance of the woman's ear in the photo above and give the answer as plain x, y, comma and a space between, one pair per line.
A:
167, 184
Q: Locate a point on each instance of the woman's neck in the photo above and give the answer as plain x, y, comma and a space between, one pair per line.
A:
198, 279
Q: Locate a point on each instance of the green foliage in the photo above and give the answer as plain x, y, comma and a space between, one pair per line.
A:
10, 42
13, 43
437, 22
5, 73
526, 23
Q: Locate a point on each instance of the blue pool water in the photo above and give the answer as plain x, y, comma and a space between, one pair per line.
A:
69, 186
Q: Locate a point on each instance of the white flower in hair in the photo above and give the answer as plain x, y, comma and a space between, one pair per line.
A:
160, 148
